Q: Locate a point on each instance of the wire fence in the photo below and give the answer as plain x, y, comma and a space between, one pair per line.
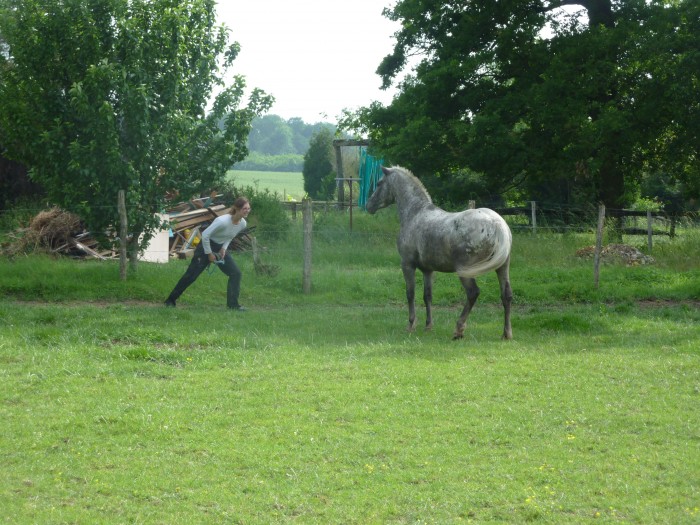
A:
327, 227
536, 218
530, 219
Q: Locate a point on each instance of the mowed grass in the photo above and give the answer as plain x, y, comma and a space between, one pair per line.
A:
321, 409
288, 185
123, 414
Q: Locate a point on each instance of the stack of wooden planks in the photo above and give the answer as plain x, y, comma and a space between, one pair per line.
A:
187, 228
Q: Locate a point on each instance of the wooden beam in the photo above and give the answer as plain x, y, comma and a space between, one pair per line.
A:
340, 143
87, 250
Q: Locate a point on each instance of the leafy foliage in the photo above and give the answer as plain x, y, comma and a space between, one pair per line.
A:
272, 135
539, 100
319, 177
276, 144
269, 217
103, 95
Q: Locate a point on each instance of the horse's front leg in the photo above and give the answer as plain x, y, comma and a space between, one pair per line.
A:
472, 291
428, 298
409, 275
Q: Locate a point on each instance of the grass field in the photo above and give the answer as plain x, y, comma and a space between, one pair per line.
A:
320, 408
287, 185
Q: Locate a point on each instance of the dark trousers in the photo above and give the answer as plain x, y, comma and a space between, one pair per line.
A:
199, 263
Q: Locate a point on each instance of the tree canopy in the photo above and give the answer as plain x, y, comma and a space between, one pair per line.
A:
276, 144
97, 96
273, 135
319, 177
560, 104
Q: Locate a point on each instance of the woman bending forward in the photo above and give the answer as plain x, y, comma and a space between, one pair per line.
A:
212, 249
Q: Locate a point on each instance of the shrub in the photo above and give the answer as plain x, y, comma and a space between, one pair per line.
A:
319, 177
268, 216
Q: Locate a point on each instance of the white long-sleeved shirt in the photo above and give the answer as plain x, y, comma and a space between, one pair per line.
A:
221, 231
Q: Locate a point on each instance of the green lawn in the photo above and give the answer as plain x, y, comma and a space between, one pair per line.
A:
321, 409
132, 413
287, 184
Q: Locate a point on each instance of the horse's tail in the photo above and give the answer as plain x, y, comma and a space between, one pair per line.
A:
501, 249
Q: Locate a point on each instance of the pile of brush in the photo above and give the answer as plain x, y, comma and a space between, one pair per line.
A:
50, 231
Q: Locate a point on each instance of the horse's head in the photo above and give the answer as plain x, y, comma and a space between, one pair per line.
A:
383, 196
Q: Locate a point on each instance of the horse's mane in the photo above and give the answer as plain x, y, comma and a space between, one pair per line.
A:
414, 180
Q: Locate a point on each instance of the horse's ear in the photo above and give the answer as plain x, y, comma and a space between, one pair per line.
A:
386, 170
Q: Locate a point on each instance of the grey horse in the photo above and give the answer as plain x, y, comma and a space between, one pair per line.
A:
469, 243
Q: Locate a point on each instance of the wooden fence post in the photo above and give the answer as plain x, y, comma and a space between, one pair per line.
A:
533, 212
123, 228
340, 183
350, 185
308, 222
649, 230
598, 244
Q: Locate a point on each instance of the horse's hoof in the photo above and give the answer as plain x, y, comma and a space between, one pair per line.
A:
456, 336
410, 329
428, 327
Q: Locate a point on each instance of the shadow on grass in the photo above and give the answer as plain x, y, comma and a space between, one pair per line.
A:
148, 333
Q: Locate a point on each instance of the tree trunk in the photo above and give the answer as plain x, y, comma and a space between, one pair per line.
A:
133, 253
611, 189
611, 193
599, 12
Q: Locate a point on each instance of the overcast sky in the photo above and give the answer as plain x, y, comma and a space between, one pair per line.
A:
315, 57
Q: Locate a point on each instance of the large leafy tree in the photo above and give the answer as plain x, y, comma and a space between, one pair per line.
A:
271, 135
560, 105
97, 96
319, 178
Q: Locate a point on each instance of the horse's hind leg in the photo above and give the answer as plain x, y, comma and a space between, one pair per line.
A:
506, 297
428, 298
409, 275
469, 285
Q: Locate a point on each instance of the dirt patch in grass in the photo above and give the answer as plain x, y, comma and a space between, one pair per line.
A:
661, 303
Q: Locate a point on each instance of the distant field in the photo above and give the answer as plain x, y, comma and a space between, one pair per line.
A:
287, 184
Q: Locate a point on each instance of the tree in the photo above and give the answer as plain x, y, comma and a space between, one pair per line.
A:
102, 95
536, 99
271, 135
319, 179
300, 134
672, 160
